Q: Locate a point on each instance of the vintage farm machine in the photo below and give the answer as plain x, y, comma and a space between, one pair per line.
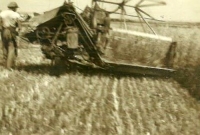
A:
74, 39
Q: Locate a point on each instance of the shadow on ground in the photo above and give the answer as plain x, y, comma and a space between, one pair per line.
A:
87, 71
189, 78
35, 68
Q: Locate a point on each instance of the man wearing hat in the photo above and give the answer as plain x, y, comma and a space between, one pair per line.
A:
9, 27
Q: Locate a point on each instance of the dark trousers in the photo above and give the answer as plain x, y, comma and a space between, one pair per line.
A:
9, 46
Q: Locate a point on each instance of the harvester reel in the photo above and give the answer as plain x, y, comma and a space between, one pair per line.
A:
138, 9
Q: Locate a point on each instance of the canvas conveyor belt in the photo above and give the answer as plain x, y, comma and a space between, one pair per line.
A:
86, 34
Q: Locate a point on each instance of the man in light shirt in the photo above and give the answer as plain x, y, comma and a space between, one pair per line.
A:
9, 27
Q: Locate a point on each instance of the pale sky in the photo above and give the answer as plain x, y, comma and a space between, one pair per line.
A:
175, 10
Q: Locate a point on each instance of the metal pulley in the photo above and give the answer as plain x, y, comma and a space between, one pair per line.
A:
69, 18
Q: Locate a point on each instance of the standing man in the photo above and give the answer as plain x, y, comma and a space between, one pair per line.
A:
9, 27
106, 34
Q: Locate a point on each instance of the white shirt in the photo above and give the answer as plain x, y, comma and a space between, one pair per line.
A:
9, 18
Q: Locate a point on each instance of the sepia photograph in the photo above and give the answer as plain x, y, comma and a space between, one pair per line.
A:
99, 67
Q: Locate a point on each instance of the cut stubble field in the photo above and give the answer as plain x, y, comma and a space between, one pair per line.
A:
33, 102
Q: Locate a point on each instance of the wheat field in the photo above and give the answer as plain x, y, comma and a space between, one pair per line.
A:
34, 102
